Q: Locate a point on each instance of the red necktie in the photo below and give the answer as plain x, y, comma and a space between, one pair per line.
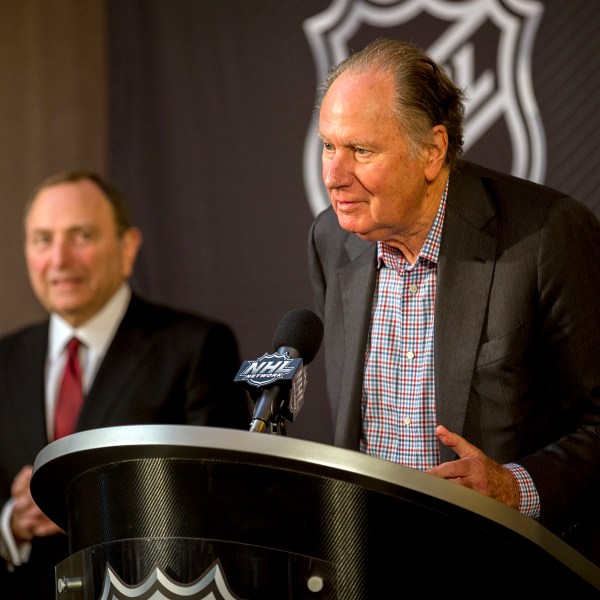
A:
70, 394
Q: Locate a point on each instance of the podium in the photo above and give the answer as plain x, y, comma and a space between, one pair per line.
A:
178, 511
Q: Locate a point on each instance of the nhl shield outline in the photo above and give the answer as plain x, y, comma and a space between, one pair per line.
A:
212, 585
512, 97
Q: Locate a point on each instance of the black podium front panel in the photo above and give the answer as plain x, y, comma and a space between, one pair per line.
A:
380, 529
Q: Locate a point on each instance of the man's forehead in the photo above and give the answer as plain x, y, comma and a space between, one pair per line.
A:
358, 96
69, 205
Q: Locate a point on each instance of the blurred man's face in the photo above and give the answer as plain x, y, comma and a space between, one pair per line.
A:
75, 259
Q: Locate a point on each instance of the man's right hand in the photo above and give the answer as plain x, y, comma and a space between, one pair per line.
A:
27, 519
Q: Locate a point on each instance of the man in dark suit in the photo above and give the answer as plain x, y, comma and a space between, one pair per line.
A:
141, 363
461, 305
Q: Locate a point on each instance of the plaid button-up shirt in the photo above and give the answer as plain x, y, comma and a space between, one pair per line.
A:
398, 398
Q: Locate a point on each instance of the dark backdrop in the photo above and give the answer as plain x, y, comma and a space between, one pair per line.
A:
211, 102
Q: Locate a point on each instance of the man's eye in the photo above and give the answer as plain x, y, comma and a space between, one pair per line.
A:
83, 236
362, 151
328, 146
40, 240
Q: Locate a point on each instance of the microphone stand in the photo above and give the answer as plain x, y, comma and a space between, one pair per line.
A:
279, 427
268, 412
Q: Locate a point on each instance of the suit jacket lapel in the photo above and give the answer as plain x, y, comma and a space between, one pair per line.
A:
465, 269
357, 284
122, 359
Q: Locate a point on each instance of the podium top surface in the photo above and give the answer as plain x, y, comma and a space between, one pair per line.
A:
62, 460
67, 458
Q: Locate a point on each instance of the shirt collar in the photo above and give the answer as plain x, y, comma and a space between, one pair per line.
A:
97, 332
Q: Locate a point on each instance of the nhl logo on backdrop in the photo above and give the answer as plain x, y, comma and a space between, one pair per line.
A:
502, 91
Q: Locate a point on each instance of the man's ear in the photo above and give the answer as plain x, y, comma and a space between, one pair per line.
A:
436, 152
131, 242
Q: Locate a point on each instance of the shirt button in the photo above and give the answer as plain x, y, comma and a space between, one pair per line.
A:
410, 355
406, 420
413, 289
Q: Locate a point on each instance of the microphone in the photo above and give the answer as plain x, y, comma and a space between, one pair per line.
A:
282, 374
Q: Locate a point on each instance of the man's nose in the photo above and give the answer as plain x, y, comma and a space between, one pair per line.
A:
60, 251
337, 171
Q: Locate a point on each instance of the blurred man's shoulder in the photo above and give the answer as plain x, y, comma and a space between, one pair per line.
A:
23, 335
163, 315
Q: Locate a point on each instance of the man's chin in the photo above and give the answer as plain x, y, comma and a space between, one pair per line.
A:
351, 224
67, 310
358, 227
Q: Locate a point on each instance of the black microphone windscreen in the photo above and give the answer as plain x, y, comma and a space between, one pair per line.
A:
300, 329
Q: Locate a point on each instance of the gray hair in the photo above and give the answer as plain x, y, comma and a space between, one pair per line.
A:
425, 94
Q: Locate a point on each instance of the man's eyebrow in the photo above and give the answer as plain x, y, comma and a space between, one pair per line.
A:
70, 229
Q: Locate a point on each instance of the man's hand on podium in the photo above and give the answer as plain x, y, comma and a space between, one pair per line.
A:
475, 470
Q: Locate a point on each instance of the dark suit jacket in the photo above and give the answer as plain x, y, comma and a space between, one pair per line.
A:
163, 367
517, 333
